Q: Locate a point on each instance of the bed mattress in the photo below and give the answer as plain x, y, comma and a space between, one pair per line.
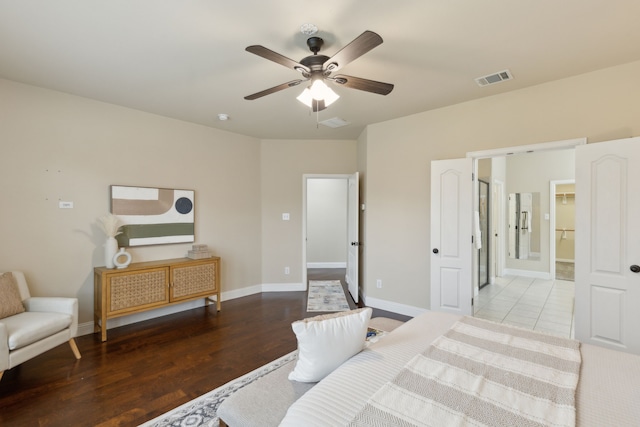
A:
608, 391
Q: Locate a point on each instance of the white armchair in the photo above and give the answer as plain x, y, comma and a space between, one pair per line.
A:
46, 323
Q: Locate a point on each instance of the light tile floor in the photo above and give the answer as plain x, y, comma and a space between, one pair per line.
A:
541, 305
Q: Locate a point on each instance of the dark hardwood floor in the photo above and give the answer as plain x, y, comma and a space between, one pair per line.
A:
151, 367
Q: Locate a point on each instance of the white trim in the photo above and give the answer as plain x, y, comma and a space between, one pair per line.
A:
283, 287
326, 265
394, 307
571, 261
242, 292
544, 146
87, 328
527, 273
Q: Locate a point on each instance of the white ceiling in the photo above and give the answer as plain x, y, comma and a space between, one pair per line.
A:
185, 58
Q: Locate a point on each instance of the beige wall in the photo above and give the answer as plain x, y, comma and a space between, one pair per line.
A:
56, 146
62, 147
283, 164
601, 106
327, 221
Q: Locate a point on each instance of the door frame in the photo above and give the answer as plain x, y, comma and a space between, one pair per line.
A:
508, 151
305, 178
498, 225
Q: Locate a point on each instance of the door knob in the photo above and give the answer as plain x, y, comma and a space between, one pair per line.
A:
355, 243
635, 268
435, 250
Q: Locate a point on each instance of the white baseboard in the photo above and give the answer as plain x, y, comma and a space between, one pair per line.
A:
394, 307
572, 261
86, 328
283, 287
326, 265
544, 275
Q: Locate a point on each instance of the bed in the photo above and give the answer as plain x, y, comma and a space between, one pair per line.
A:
607, 393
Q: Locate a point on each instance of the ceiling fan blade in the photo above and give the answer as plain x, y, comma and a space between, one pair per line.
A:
274, 89
363, 84
276, 57
358, 47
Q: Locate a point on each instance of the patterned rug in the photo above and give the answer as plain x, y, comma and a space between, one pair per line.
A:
326, 295
202, 411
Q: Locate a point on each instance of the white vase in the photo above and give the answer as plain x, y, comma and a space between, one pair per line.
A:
110, 249
122, 259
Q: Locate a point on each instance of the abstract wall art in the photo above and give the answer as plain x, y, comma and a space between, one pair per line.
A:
153, 216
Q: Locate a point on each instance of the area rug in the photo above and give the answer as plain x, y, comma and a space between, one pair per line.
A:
326, 295
202, 411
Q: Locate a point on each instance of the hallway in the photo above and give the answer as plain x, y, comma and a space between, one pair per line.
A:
541, 305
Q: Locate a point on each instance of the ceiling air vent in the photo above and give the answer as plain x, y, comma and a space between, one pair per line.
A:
335, 122
494, 78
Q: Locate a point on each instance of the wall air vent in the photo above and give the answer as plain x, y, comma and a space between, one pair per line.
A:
494, 78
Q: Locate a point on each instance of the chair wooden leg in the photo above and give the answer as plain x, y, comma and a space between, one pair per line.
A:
74, 348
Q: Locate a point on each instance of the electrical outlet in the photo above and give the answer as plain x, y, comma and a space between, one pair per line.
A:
378, 283
286, 270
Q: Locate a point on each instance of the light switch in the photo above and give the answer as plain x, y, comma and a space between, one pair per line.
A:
65, 205
285, 217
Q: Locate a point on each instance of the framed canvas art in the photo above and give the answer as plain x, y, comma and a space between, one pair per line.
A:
153, 216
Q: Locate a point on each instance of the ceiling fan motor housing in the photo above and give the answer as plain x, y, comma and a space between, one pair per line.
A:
315, 43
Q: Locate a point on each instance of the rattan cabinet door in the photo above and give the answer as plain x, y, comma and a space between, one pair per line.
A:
131, 292
193, 280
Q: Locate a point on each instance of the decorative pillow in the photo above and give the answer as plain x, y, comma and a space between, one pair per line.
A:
10, 301
327, 341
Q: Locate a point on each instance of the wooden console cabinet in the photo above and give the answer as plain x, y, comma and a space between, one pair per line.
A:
147, 285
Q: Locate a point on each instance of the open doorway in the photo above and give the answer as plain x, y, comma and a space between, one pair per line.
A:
327, 230
519, 291
327, 223
563, 213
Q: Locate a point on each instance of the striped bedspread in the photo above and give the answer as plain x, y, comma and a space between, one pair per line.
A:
481, 373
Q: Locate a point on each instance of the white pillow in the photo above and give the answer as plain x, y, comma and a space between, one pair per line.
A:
327, 341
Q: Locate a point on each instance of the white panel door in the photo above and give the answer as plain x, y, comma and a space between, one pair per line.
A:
607, 304
353, 250
451, 245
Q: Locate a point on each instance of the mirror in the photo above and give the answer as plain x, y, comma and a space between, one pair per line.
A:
524, 226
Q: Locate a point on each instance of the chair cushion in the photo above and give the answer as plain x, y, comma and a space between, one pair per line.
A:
10, 301
28, 327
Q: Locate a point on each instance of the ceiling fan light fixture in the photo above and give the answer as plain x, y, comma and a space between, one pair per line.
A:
319, 90
329, 96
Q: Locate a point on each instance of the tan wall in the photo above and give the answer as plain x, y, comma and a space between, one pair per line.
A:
283, 164
327, 221
601, 106
61, 147
243, 185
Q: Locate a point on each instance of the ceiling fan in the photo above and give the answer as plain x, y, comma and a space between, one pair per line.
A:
317, 68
